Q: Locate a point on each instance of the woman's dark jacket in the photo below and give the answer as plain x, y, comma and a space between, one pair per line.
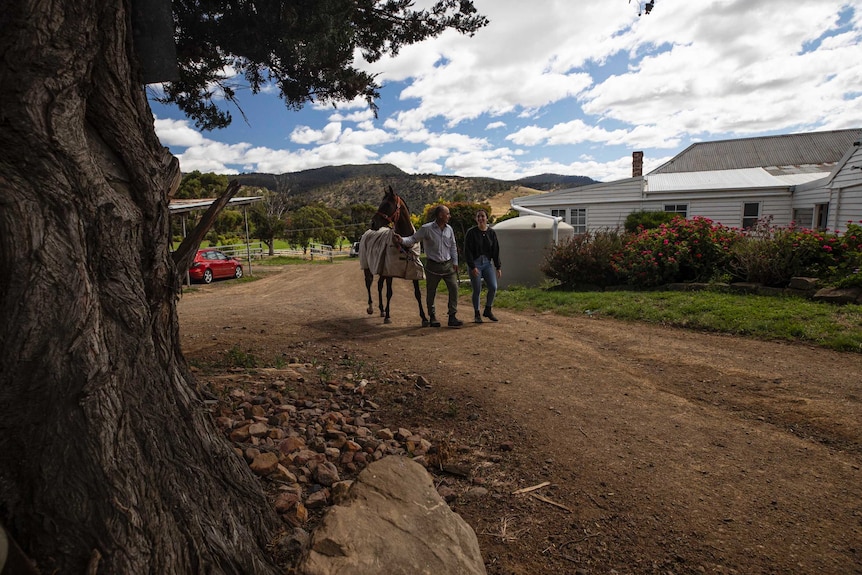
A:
478, 243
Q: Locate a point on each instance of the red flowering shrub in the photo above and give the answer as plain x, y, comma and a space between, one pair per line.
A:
700, 250
682, 250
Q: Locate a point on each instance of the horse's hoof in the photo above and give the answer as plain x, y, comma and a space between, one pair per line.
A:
387, 320
382, 314
370, 310
425, 323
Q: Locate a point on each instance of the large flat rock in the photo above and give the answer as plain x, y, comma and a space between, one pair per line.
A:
393, 522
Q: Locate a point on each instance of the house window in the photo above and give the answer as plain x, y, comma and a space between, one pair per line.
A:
681, 209
559, 214
750, 214
803, 217
821, 216
579, 220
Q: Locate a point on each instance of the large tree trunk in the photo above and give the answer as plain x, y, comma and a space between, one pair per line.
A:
107, 456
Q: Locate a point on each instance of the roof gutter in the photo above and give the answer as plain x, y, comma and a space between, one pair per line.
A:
556, 219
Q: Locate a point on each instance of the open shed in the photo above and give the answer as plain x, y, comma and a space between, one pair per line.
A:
184, 207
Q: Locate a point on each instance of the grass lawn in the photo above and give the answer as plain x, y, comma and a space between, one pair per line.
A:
762, 317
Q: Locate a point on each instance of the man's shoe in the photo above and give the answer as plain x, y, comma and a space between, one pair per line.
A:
455, 322
478, 318
489, 314
434, 322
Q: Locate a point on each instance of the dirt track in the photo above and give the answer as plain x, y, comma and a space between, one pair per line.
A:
673, 451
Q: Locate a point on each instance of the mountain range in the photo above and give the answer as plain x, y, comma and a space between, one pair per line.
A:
340, 186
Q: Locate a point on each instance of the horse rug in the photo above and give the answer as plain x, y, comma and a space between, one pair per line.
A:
379, 255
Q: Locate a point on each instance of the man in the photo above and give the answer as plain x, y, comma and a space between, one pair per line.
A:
438, 238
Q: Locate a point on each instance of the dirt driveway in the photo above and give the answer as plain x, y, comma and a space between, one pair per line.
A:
666, 451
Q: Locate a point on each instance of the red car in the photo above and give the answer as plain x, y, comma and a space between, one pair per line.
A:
213, 264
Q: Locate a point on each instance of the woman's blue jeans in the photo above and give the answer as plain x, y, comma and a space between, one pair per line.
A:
487, 273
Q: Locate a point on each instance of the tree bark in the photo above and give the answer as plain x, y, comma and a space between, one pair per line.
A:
107, 455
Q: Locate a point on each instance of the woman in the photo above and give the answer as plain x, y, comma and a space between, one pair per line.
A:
482, 252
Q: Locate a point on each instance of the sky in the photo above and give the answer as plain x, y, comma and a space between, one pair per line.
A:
565, 87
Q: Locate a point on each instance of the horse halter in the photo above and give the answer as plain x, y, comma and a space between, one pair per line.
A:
399, 203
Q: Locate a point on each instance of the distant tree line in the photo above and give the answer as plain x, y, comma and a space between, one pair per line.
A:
301, 220
276, 217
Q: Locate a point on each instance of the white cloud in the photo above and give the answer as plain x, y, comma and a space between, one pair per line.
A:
363, 115
306, 135
575, 87
177, 133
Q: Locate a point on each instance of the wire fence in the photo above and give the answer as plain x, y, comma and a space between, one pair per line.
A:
312, 252
258, 251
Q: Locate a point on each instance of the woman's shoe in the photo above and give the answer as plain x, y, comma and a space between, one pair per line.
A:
489, 314
478, 317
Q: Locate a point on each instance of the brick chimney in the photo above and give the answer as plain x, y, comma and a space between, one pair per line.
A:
637, 164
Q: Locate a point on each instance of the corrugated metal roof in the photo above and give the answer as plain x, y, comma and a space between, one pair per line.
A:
794, 150
746, 178
799, 179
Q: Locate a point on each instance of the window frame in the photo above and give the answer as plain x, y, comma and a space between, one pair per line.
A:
749, 221
681, 209
578, 214
821, 216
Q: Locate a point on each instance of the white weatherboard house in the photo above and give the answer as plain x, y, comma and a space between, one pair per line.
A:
813, 179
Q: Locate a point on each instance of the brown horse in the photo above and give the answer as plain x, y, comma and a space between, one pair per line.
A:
392, 212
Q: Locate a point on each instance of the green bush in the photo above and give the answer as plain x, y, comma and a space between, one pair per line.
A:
644, 220
772, 255
585, 260
760, 260
848, 270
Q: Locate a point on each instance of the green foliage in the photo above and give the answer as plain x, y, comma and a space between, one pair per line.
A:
358, 220
512, 213
312, 222
683, 250
853, 279
235, 357
306, 49
463, 217
772, 255
848, 270
229, 222
290, 260
268, 218
195, 185
647, 220
585, 260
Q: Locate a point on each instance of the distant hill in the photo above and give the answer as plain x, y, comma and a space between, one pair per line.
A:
340, 186
298, 183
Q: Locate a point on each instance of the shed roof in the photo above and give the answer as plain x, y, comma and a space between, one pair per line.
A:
818, 150
185, 206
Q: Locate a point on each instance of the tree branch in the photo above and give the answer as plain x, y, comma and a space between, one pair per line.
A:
184, 254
